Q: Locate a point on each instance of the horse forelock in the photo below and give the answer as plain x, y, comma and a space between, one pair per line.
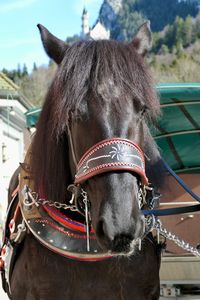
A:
97, 67
88, 68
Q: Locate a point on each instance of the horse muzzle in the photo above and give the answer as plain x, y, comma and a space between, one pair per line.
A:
123, 243
114, 155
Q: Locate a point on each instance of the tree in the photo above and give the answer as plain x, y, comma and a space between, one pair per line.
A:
35, 86
34, 67
187, 31
164, 50
134, 12
24, 71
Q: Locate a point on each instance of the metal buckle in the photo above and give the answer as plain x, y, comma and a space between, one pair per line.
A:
152, 197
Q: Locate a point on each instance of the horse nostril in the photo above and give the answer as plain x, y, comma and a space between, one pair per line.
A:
101, 229
122, 243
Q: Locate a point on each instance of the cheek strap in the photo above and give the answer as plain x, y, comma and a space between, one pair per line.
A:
111, 155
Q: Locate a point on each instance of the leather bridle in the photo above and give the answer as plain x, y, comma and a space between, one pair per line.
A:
109, 155
115, 154
112, 154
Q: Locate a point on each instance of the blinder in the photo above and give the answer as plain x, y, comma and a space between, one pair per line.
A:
115, 154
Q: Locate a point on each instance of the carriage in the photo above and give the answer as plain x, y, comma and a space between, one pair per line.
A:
177, 135
178, 138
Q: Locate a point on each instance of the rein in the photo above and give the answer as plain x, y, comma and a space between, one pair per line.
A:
176, 210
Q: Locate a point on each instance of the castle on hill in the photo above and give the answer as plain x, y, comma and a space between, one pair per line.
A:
97, 32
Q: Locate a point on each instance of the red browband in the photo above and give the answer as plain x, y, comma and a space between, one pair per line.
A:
114, 154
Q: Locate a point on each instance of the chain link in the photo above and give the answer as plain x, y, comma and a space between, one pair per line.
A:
172, 237
156, 223
50, 203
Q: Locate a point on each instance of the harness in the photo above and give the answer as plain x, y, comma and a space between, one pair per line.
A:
58, 232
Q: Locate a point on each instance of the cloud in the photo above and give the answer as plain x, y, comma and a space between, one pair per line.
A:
15, 5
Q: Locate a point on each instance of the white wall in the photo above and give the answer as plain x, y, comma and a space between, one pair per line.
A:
11, 153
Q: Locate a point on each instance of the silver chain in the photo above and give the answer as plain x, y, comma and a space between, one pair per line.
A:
172, 237
56, 204
156, 223
40, 201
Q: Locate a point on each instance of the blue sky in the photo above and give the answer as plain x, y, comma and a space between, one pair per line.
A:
19, 37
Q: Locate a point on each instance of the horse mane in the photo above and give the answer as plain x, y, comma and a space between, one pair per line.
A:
86, 67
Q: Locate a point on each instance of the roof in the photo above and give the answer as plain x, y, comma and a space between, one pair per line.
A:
99, 32
32, 116
177, 132
178, 129
7, 84
10, 91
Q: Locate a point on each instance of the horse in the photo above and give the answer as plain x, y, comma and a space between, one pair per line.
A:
93, 131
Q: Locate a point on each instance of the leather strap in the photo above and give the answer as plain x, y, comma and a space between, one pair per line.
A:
172, 211
176, 210
114, 154
181, 182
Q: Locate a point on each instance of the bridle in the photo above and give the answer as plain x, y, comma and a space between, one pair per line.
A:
112, 154
117, 154
109, 155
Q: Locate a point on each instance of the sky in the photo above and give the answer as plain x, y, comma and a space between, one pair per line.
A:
19, 36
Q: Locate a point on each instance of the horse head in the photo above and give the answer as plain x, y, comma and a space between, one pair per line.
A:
102, 91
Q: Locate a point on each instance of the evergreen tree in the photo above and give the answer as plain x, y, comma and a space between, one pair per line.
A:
24, 71
34, 66
19, 73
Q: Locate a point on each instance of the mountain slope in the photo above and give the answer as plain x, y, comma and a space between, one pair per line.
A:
123, 17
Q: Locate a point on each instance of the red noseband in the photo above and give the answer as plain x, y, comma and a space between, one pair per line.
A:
114, 154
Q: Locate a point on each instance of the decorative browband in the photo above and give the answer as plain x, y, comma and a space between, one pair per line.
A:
114, 154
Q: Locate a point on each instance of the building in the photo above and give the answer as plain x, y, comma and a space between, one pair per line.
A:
13, 134
97, 32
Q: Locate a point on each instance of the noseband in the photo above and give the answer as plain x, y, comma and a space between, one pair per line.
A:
111, 155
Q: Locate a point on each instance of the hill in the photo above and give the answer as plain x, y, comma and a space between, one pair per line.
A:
123, 17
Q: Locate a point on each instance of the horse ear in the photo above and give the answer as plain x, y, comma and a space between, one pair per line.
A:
54, 47
143, 39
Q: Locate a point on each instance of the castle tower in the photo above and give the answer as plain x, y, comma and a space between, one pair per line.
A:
85, 23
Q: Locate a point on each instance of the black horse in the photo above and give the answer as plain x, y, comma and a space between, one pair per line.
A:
102, 95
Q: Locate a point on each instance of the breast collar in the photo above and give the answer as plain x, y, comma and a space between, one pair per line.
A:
58, 232
53, 229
